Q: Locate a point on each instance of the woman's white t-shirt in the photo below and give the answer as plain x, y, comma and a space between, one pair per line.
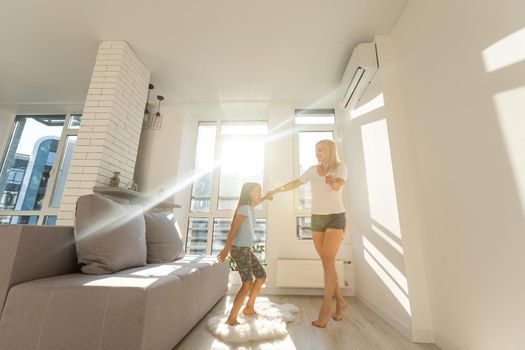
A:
325, 200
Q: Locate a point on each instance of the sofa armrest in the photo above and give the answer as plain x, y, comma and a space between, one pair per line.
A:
29, 252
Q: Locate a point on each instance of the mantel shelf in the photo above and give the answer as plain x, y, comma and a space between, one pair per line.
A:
134, 196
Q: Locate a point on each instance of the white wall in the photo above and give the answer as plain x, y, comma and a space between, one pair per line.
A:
463, 121
385, 231
166, 161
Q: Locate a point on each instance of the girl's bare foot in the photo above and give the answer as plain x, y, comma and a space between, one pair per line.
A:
231, 322
249, 311
339, 308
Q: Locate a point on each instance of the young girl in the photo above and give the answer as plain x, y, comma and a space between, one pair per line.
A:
239, 245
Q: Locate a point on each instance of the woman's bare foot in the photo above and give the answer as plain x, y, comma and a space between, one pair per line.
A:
249, 311
324, 316
231, 322
339, 308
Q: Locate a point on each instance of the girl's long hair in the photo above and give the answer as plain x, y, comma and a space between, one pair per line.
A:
333, 161
245, 198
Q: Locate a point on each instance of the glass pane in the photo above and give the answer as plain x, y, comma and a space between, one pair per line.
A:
242, 160
15, 219
304, 227
74, 121
259, 244
29, 160
197, 236
50, 220
221, 226
307, 141
314, 116
60, 182
204, 160
220, 233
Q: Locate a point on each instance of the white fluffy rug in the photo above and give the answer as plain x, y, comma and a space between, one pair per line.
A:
270, 323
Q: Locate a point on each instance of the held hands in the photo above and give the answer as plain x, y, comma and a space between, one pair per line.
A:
269, 195
222, 255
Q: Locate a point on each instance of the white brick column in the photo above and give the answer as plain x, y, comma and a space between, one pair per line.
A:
109, 133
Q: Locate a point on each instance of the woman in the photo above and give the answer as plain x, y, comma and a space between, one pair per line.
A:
328, 221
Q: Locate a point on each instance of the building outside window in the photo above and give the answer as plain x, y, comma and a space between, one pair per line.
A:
34, 168
227, 155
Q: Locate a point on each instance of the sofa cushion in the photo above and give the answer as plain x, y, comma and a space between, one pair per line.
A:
109, 236
163, 239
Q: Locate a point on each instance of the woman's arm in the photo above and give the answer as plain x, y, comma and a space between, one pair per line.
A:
292, 185
237, 221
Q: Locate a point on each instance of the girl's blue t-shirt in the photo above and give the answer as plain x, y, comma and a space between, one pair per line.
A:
246, 231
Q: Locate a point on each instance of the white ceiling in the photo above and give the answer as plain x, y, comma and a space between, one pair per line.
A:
197, 50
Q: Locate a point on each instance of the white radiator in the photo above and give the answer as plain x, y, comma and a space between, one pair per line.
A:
304, 273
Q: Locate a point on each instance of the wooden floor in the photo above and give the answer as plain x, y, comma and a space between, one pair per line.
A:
361, 329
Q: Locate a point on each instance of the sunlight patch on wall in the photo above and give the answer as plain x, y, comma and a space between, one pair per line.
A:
397, 276
387, 239
510, 107
389, 282
505, 52
375, 103
380, 176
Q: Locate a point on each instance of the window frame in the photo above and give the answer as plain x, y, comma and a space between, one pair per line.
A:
215, 212
335, 129
46, 210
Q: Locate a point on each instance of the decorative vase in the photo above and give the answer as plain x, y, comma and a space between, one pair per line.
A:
115, 180
134, 186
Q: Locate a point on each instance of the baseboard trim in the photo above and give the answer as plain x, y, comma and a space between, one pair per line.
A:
394, 322
423, 336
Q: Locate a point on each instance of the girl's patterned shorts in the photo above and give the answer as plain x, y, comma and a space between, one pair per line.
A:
247, 263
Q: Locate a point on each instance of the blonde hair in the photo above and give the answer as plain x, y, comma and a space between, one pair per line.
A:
332, 161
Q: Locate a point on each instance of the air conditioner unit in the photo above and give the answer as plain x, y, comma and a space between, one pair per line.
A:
359, 73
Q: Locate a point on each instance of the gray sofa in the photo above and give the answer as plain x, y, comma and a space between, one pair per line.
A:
47, 304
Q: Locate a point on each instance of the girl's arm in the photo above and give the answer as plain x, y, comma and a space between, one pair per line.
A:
267, 196
237, 221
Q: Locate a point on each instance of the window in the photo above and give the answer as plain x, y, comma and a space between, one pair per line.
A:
227, 155
204, 160
304, 227
221, 226
197, 236
313, 125
30, 188
314, 116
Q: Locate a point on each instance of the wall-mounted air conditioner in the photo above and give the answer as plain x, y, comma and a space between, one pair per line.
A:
359, 73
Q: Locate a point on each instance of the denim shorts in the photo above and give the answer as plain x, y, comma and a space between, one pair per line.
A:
322, 222
247, 263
